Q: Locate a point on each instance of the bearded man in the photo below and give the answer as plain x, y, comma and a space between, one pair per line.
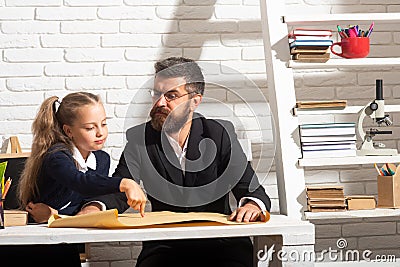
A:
189, 163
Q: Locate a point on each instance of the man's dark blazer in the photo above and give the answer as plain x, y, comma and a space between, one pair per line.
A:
213, 157
149, 157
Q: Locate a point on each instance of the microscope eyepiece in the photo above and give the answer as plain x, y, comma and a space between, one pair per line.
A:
379, 90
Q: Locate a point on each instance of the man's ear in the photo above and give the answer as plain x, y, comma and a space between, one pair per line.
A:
196, 100
67, 130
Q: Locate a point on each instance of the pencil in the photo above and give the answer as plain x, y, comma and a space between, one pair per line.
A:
6, 187
389, 169
377, 169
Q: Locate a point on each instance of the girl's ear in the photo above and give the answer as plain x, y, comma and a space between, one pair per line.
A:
67, 130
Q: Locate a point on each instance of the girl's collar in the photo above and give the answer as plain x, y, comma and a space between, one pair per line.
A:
81, 163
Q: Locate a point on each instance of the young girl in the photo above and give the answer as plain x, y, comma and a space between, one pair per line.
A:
67, 164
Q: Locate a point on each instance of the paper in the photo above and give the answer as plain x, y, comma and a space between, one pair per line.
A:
110, 219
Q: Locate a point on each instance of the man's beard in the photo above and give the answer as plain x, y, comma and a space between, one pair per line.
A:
168, 121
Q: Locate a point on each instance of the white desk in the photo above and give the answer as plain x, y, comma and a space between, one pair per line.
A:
283, 232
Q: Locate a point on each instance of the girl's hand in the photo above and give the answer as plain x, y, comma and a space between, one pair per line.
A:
134, 194
40, 212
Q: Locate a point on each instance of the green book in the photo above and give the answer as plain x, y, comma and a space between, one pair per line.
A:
3, 166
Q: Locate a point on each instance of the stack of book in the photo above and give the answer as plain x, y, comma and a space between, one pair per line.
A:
328, 140
310, 45
325, 198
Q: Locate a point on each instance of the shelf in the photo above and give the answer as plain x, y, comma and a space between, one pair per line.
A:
346, 63
348, 161
351, 18
346, 110
352, 214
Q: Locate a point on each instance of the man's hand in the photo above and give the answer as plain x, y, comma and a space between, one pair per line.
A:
40, 212
250, 212
90, 208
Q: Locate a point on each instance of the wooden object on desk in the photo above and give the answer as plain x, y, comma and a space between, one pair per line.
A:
15, 217
13, 145
360, 202
13, 149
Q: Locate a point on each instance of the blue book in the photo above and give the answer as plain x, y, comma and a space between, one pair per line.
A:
310, 43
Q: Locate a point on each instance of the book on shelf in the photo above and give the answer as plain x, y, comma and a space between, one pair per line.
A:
328, 138
347, 128
308, 49
310, 32
319, 209
328, 146
334, 104
361, 202
308, 37
329, 153
310, 56
15, 217
310, 43
324, 202
312, 60
325, 191
328, 143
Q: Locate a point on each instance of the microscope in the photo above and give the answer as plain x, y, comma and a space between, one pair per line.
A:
376, 111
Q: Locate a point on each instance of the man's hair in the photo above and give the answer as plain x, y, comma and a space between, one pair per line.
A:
174, 67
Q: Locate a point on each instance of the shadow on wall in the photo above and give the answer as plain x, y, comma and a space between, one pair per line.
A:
210, 33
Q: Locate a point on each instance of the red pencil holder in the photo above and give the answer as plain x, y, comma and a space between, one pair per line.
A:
352, 47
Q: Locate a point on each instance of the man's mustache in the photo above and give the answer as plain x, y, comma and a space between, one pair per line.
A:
160, 110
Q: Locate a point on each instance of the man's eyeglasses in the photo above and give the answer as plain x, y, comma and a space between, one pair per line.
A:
169, 96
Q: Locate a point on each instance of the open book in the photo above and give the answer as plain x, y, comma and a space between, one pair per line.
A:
110, 219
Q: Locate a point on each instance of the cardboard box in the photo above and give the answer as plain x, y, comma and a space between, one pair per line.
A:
360, 202
389, 190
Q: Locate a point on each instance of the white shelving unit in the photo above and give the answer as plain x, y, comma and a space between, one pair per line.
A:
333, 19
352, 214
359, 160
279, 67
334, 63
346, 110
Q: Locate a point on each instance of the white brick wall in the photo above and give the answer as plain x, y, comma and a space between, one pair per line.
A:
53, 47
